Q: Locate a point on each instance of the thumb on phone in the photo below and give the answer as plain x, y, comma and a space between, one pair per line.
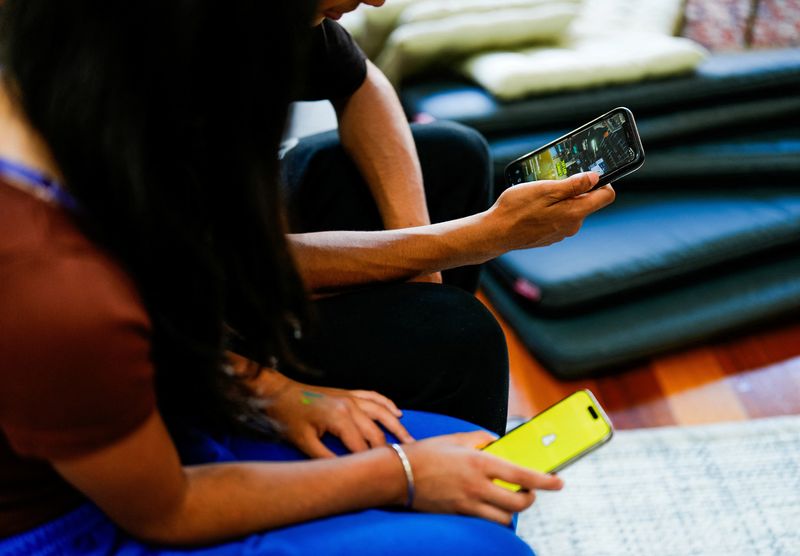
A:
474, 439
573, 186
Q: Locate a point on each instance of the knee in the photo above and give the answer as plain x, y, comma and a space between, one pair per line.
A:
475, 335
487, 333
392, 534
459, 535
462, 143
451, 327
464, 149
315, 153
460, 156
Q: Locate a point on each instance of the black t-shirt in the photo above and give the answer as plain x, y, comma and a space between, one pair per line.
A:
337, 66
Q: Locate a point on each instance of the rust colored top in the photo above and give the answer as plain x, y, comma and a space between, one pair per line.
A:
75, 368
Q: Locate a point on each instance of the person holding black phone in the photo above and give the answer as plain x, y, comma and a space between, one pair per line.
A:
405, 322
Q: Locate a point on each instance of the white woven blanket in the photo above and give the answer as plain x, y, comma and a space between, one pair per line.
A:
728, 490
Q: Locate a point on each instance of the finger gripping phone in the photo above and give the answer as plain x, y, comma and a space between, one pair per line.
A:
556, 437
609, 145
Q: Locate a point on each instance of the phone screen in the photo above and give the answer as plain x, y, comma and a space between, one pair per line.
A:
557, 436
604, 147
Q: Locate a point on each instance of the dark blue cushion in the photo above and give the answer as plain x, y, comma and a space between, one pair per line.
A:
651, 236
725, 162
667, 318
722, 77
745, 138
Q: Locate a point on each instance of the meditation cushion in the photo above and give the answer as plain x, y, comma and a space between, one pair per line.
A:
668, 317
648, 238
720, 79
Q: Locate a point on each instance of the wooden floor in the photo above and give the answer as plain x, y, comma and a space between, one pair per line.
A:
747, 377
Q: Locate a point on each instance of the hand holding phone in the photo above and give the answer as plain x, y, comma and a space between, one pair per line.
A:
451, 476
608, 145
542, 213
556, 437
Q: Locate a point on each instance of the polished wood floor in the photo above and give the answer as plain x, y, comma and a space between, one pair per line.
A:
746, 377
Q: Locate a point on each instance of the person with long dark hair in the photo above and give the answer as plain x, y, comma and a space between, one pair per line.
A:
141, 237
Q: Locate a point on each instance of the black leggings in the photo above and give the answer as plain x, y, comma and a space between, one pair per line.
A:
426, 346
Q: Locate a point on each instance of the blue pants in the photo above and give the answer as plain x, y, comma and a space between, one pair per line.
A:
88, 531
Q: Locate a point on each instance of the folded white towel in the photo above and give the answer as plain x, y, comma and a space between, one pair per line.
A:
602, 59
515, 48
438, 35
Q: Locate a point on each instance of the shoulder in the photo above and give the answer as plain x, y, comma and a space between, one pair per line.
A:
337, 66
75, 293
54, 278
334, 36
75, 342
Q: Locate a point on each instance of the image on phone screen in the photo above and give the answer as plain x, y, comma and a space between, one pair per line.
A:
603, 147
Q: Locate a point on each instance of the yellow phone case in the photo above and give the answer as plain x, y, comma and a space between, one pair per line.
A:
555, 437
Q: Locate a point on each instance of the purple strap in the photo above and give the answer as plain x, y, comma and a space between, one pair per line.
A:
44, 186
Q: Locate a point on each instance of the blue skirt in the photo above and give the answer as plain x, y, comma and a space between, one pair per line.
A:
87, 531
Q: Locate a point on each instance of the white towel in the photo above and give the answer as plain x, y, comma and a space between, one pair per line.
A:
583, 62
516, 48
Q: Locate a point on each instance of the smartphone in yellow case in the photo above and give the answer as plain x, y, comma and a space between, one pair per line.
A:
556, 437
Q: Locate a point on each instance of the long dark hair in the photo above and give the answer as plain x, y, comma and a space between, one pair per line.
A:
165, 117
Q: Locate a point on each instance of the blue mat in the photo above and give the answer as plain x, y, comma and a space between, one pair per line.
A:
754, 138
657, 270
619, 335
722, 78
650, 237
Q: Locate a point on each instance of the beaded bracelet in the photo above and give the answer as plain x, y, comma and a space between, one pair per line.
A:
409, 473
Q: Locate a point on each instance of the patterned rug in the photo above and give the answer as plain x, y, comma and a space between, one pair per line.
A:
740, 24
729, 489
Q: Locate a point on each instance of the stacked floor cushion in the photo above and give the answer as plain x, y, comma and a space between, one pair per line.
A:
615, 337
735, 139
651, 238
655, 271
729, 94
720, 78
702, 241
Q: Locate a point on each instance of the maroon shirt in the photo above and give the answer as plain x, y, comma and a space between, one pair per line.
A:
75, 368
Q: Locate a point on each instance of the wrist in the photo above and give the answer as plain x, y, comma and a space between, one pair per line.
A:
407, 490
489, 231
269, 383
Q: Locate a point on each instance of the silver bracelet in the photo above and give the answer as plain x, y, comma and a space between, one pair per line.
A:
409, 473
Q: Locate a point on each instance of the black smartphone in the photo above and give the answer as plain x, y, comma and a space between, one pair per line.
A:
609, 145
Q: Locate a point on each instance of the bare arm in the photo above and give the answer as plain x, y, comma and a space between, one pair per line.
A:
139, 483
527, 215
374, 132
